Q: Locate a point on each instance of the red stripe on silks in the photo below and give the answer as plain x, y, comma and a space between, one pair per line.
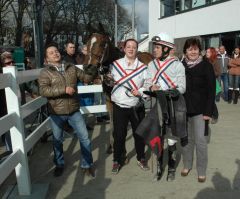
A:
121, 68
154, 141
169, 80
160, 67
134, 85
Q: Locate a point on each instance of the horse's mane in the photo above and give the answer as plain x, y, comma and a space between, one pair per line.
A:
145, 57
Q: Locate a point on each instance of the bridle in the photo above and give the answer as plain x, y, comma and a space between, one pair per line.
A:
100, 58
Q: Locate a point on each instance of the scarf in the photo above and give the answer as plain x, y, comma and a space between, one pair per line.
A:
191, 64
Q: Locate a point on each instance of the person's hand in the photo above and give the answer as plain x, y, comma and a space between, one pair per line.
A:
155, 87
70, 90
206, 117
135, 92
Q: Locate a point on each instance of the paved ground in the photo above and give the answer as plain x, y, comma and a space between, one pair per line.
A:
223, 175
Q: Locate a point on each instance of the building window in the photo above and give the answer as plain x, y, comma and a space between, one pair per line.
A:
197, 3
186, 4
172, 7
167, 8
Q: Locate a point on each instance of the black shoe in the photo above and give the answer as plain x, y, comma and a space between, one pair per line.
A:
99, 120
89, 128
58, 171
159, 173
105, 117
171, 175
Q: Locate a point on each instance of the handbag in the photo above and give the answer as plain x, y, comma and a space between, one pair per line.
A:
218, 87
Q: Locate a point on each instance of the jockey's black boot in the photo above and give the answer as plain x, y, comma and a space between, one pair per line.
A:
160, 169
172, 151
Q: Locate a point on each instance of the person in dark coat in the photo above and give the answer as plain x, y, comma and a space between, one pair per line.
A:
70, 56
199, 97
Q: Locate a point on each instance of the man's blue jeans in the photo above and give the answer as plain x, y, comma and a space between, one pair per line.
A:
224, 78
77, 122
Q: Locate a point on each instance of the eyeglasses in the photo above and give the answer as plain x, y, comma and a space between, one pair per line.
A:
156, 39
9, 63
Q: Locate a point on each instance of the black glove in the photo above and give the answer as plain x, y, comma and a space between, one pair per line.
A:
174, 93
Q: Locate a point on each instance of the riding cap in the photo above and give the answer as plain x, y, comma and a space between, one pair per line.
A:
163, 39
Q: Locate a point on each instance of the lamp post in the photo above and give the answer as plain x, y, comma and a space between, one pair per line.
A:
115, 22
133, 19
32, 12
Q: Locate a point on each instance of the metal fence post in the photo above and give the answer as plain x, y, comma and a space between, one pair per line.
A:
17, 133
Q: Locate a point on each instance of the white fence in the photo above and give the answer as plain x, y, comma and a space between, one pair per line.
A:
13, 121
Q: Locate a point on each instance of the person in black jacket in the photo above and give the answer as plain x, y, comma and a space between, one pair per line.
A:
199, 96
70, 56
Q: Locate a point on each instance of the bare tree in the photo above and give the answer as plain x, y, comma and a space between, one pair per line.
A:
95, 12
4, 11
73, 17
18, 11
53, 17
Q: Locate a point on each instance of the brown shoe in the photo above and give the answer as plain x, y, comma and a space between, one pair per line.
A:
185, 172
201, 179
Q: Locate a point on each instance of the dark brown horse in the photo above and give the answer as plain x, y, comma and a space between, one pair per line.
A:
101, 52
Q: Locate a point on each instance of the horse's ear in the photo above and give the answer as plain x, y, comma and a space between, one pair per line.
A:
101, 28
91, 29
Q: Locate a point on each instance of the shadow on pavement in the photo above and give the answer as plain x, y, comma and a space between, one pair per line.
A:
223, 188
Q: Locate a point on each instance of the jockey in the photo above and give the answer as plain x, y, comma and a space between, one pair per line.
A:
167, 73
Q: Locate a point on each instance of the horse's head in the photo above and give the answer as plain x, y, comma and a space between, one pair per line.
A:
101, 52
97, 49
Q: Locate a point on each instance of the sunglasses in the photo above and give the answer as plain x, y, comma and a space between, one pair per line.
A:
156, 39
8, 63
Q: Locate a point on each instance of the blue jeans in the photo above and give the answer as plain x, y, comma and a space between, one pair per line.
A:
234, 81
77, 122
99, 98
224, 78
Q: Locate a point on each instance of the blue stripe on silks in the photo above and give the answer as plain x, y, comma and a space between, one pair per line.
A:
155, 65
165, 68
121, 74
129, 78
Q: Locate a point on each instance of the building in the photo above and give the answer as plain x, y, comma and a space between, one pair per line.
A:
215, 22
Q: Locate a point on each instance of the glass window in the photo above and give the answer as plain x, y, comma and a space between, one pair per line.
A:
177, 6
196, 3
172, 7
186, 4
214, 41
167, 8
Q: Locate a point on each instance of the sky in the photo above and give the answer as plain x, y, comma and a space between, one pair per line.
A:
141, 13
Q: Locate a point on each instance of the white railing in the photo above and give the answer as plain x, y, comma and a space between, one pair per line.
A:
13, 121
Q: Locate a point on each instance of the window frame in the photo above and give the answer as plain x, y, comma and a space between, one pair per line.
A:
211, 3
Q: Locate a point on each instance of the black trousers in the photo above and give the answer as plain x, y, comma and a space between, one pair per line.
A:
121, 117
215, 111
